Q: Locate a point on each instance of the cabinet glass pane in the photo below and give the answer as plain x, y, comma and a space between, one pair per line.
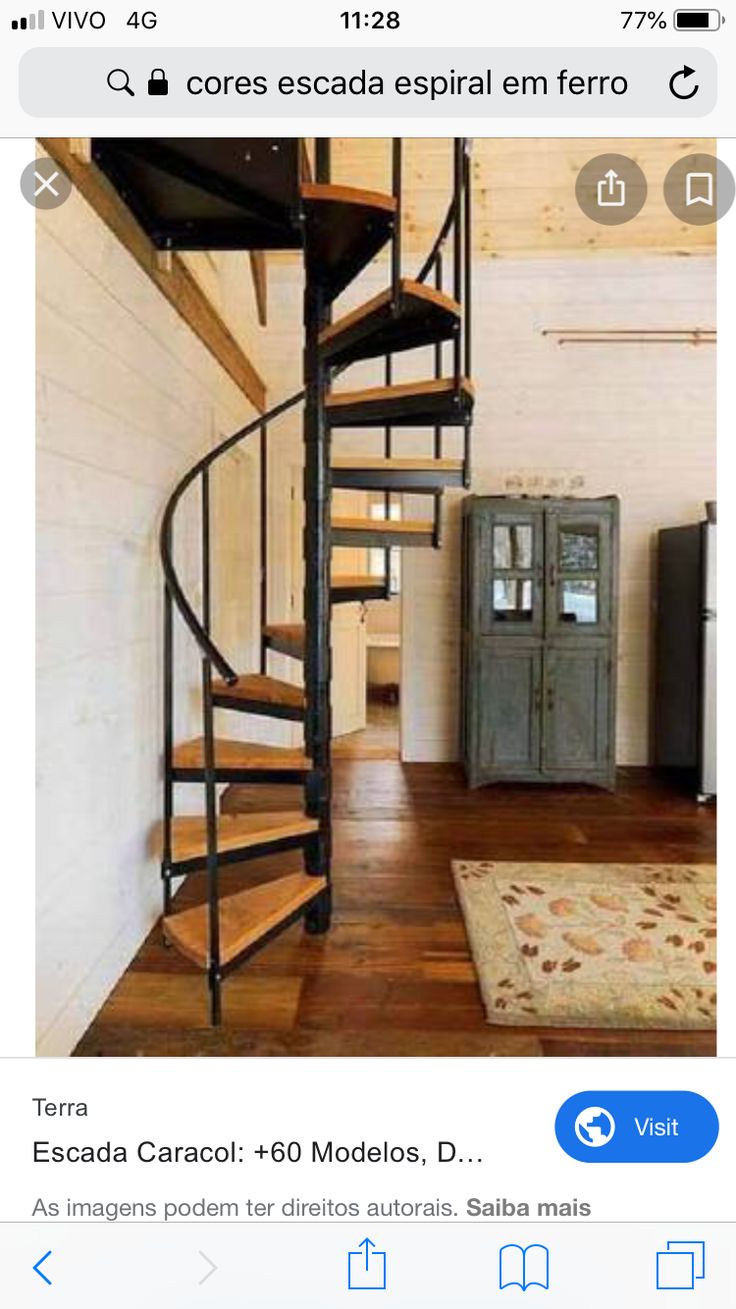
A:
579, 550
579, 601
512, 545
512, 600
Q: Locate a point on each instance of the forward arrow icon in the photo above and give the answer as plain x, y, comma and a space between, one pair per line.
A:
211, 1268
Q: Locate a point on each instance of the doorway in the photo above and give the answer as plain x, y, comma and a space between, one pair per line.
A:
366, 638
382, 736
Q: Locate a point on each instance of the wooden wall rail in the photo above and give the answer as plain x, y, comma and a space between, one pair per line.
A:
171, 276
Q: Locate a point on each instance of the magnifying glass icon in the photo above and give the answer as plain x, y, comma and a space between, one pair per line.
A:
119, 80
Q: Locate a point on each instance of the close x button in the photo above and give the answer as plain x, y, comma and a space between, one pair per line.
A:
637, 1127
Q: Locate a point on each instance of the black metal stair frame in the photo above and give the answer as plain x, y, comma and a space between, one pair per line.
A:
186, 195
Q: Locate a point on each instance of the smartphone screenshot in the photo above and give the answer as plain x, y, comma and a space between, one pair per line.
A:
365, 377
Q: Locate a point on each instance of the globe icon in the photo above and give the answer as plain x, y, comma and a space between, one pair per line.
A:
595, 1126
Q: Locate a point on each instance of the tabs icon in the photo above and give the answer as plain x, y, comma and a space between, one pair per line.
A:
680, 1266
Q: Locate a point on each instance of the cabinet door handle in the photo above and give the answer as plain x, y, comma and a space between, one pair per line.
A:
550, 698
553, 575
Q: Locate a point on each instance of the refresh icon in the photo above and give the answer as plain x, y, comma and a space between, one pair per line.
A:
681, 76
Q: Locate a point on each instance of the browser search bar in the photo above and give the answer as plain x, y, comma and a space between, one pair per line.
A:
329, 82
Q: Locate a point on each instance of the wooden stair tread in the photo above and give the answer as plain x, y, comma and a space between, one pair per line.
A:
420, 316
392, 526
325, 192
259, 687
399, 465
406, 476
435, 386
286, 638
244, 918
241, 755
437, 402
354, 581
347, 587
234, 832
345, 227
416, 290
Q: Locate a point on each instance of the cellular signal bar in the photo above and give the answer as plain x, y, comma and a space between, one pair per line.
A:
31, 23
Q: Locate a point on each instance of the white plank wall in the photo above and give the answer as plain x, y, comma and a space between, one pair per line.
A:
634, 421
128, 398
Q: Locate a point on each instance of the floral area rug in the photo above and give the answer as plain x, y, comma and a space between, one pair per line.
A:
592, 945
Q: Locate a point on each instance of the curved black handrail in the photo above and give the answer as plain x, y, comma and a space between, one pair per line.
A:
173, 585
440, 239
204, 641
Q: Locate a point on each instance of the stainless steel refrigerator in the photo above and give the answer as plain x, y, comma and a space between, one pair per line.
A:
685, 679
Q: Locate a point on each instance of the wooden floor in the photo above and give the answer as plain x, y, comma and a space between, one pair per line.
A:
379, 739
394, 976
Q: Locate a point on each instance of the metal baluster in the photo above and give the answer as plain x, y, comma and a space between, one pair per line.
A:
396, 184
467, 307
396, 188
263, 520
387, 450
438, 442
322, 158
214, 974
168, 744
457, 251
206, 573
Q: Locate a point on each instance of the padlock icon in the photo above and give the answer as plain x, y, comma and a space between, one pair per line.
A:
158, 82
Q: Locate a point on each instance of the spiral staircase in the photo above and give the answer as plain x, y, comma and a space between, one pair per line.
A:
258, 194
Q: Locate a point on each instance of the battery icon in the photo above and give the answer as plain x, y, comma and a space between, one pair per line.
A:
697, 20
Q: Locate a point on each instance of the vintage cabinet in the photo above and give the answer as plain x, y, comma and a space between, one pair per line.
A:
539, 639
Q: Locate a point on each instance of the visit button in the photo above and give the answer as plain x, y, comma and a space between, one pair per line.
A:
637, 1127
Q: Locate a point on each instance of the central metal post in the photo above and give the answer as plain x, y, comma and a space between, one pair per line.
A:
317, 600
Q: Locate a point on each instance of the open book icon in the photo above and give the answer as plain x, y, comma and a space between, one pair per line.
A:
523, 1266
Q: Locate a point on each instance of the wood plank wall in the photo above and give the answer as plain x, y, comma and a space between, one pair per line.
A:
633, 420
128, 398
524, 199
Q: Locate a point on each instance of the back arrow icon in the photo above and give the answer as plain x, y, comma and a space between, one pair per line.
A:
37, 1268
683, 72
212, 1268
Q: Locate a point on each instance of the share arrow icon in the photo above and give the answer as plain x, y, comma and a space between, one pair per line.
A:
367, 1267
369, 1245
37, 1268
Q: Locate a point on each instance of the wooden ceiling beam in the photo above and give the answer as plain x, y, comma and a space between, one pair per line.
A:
259, 273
